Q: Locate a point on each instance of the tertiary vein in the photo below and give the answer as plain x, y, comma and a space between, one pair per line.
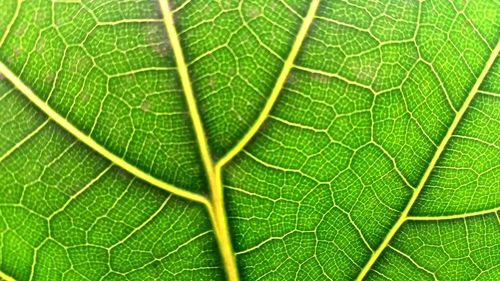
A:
24, 140
404, 215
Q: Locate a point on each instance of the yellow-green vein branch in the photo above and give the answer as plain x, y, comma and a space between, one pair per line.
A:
278, 87
451, 217
216, 206
25, 139
56, 117
404, 215
11, 23
6, 277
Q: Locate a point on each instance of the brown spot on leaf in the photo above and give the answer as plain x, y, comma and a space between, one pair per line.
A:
49, 77
20, 32
85, 97
122, 173
41, 17
211, 81
291, 78
17, 51
161, 49
145, 106
273, 6
227, 4
253, 12
319, 78
232, 72
40, 45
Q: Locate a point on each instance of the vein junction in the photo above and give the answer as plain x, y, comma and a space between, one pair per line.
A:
214, 171
216, 204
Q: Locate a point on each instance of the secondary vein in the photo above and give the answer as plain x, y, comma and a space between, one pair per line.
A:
11, 23
59, 119
6, 277
455, 216
278, 87
459, 115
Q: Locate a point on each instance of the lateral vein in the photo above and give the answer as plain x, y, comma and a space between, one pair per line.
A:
59, 119
435, 158
11, 23
280, 82
451, 217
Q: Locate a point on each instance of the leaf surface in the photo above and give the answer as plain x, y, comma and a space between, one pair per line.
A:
277, 140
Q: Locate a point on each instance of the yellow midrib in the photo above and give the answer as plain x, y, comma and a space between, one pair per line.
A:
186, 86
215, 205
6, 277
404, 215
214, 171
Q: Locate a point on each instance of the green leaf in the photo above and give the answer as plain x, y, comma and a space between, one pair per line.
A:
252, 139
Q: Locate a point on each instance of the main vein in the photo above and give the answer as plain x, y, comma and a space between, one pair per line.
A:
186, 86
214, 171
216, 205
59, 119
6, 277
459, 115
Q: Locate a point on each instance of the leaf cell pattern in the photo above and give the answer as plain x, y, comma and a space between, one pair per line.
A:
249, 139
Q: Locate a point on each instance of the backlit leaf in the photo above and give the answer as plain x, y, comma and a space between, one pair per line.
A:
249, 139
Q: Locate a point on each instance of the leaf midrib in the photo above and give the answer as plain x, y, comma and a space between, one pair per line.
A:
213, 170
215, 204
458, 117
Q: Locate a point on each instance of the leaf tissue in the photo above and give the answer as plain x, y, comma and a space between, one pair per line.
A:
249, 140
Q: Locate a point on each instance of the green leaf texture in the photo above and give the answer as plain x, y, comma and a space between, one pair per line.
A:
249, 140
